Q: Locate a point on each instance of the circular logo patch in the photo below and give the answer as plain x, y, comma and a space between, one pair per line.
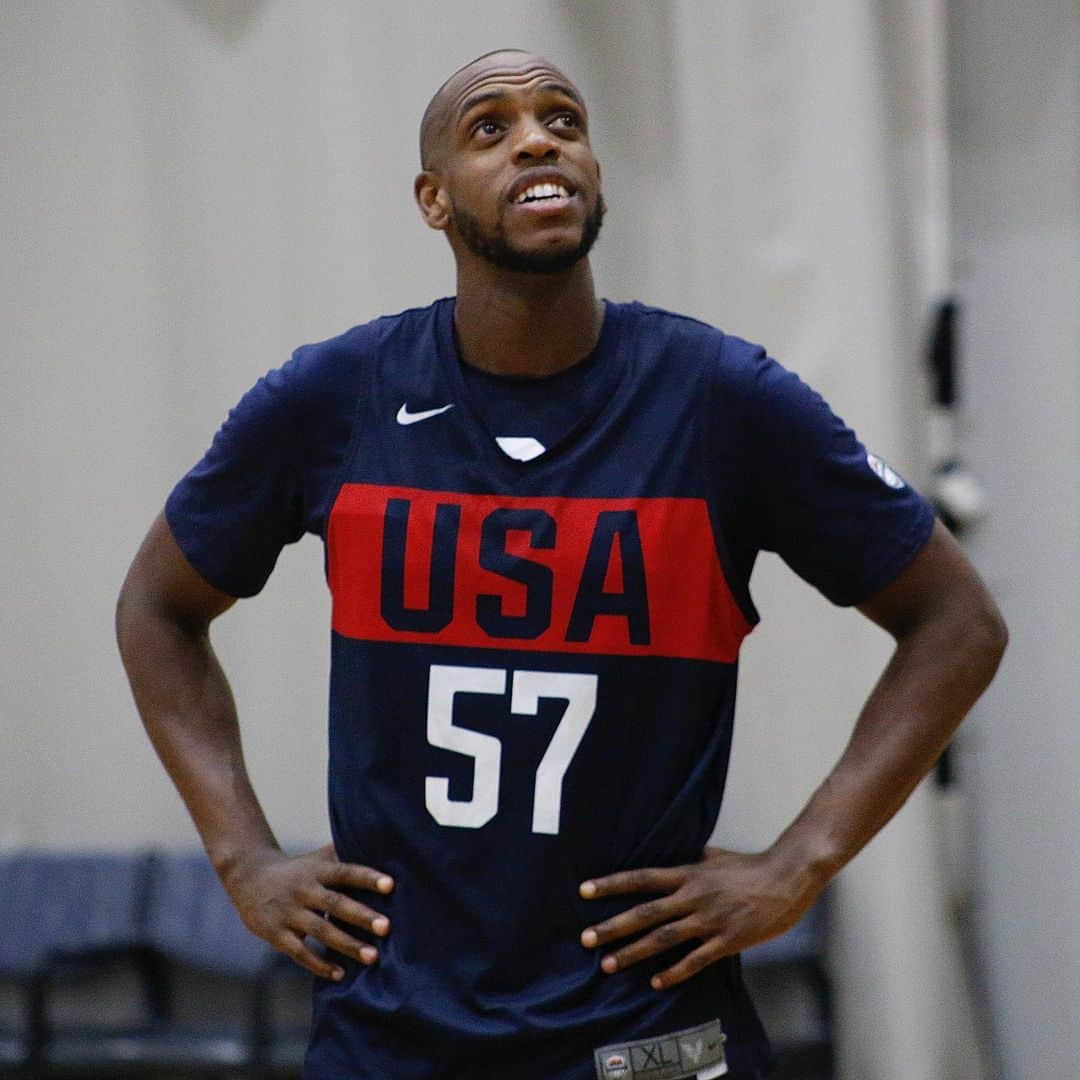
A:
884, 473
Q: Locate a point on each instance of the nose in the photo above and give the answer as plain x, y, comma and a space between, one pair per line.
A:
536, 143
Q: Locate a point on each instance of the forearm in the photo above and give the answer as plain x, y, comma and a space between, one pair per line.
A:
188, 711
936, 674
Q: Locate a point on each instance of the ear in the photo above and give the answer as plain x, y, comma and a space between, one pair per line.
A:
433, 201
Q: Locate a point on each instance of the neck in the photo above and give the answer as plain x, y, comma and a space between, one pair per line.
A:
511, 323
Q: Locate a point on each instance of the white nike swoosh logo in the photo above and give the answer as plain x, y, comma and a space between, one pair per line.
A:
406, 417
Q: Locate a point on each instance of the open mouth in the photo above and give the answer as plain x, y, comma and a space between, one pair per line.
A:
542, 193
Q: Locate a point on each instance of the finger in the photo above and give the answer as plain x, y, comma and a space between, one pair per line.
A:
292, 945
353, 875
652, 879
660, 940
335, 938
634, 921
346, 909
689, 965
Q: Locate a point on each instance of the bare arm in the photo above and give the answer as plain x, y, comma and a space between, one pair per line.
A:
949, 641
163, 621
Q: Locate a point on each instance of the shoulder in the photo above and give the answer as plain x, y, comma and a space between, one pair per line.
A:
731, 365
734, 378
667, 329
322, 366
322, 375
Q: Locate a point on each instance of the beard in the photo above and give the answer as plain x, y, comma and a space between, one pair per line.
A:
494, 246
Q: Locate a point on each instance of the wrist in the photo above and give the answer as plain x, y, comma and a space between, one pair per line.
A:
230, 857
805, 861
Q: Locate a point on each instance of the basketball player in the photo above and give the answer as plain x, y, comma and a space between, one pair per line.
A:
541, 512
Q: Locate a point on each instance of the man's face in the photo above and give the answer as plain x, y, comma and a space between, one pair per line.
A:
509, 172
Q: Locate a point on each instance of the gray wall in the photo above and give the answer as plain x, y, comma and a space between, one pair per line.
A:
1016, 138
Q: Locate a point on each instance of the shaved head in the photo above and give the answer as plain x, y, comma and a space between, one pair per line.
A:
440, 108
506, 123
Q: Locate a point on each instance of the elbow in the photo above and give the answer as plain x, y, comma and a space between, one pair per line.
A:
987, 634
136, 607
125, 616
120, 615
1000, 637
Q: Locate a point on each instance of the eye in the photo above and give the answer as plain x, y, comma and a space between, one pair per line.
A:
565, 120
486, 126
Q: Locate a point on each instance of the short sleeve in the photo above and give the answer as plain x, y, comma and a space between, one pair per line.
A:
236, 509
838, 516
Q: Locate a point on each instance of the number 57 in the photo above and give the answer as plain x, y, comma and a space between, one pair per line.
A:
527, 688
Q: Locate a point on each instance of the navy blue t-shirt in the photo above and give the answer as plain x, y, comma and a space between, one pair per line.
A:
527, 415
533, 661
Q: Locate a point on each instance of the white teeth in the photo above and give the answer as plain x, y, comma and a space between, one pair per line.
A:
543, 191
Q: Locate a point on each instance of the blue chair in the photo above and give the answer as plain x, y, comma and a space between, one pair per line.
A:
63, 914
796, 961
193, 924
192, 929
161, 917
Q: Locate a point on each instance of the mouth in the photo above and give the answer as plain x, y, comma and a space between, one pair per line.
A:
547, 190
545, 193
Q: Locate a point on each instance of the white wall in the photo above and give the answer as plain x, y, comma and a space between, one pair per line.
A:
1016, 135
198, 187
